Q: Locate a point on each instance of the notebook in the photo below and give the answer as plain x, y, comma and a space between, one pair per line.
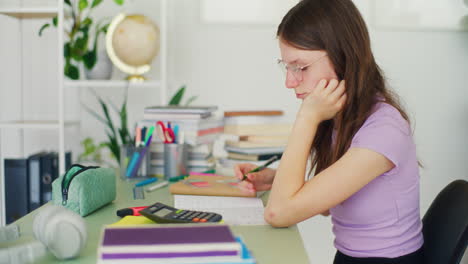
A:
235, 210
169, 244
209, 184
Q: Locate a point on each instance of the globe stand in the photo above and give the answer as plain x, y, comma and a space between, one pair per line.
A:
136, 78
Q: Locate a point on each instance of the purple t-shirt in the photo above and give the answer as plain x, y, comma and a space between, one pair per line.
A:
382, 219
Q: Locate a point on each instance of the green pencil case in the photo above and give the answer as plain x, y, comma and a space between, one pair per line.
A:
84, 189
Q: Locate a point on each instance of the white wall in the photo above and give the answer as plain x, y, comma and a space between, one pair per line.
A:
233, 66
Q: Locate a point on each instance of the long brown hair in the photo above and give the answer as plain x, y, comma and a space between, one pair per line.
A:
336, 26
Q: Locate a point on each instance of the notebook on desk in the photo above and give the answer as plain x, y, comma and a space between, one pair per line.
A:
172, 244
209, 184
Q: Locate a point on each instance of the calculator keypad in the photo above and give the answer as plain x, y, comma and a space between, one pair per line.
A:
179, 215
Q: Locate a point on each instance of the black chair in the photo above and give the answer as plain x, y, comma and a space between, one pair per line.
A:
445, 225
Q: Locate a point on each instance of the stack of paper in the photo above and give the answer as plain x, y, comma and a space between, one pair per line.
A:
234, 210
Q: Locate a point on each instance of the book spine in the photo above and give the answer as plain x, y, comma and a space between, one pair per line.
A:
47, 174
34, 171
17, 193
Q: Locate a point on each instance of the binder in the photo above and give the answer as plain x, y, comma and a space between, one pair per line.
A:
50, 172
35, 178
16, 189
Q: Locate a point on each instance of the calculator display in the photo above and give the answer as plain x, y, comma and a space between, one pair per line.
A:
162, 212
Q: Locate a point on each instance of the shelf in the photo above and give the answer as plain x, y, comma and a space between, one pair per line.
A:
30, 12
36, 124
112, 84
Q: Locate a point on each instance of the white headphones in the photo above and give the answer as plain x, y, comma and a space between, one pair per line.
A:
56, 228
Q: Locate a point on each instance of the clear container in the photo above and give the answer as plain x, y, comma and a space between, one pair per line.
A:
175, 160
138, 158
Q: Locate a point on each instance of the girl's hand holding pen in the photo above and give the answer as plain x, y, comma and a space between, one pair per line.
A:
325, 101
256, 181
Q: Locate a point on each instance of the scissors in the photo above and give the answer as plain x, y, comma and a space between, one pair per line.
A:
165, 133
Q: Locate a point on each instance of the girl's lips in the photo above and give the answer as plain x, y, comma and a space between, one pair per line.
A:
300, 95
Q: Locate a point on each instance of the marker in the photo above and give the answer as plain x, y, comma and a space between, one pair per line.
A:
259, 168
145, 182
157, 186
130, 211
177, 178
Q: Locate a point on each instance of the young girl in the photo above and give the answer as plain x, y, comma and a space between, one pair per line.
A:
358, 137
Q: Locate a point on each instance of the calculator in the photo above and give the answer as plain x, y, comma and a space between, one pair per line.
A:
162, 213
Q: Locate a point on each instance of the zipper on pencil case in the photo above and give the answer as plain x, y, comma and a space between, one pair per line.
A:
68, 179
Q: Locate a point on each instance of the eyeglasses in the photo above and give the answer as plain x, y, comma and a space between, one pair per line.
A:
296, 70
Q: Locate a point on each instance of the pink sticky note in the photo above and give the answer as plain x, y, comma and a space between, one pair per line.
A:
200, 184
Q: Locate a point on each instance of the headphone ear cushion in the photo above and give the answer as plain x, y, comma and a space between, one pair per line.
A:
42, 219
63, 232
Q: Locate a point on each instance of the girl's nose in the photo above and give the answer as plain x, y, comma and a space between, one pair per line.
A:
291, 81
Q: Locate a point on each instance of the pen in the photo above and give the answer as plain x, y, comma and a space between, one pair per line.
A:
147, 181
138, 156
259, 168
133, 162
157, 186
143, 135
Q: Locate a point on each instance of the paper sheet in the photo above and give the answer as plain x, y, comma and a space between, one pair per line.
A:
235, 210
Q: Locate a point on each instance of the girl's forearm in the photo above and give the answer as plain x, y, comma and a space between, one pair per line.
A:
289, 177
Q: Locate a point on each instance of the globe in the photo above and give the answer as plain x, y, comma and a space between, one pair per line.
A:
132, 44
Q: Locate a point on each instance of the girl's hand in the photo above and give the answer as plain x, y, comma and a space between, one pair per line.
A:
257, 181
325, 101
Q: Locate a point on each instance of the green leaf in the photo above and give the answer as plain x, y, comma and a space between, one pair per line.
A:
119, 2
95, 3
175, 100
42, 29
81, 43
67, 2
191, 99
71, 71
88, 21
109, 122
55, 21
83, 4
93, 113
66, 50
124, 133
90, 59
113, 147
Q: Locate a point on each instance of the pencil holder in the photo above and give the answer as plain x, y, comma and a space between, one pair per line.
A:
134, 162
175, 160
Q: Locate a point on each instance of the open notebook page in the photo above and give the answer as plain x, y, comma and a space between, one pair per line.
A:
235, 210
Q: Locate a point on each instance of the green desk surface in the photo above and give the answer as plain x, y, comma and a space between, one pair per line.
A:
268, 244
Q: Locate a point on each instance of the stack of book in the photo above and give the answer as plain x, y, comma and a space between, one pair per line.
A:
253, 137
183, 244
200, 128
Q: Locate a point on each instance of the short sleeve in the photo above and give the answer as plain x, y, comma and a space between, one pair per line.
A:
386, 133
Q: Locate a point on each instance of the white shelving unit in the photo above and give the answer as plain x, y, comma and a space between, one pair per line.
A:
17, 14
27, 12
36, 124
112, 84
23, 13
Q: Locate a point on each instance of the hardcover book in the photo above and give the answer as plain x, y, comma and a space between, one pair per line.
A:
169, 244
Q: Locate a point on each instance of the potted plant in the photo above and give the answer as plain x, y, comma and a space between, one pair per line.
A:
77, 49
118, 136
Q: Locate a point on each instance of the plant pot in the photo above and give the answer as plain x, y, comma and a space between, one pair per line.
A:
103, 68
